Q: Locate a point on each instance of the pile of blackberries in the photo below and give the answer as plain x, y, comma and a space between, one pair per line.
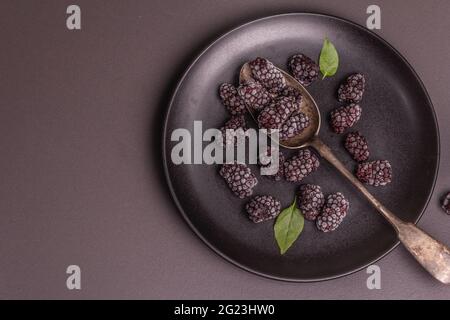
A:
277, 106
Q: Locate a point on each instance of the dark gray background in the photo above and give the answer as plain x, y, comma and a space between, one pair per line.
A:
80, 126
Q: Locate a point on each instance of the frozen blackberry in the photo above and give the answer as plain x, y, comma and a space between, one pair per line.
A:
333, 212
231, 99
254, 95
235, 123
446, 203
356, 145
303, 68
345, 117
352, 89
294, 126
311, 200
263, 208
375, 173
301, 165
266, 159
269, 118
239, 178
292, 92
274, 115
270, 77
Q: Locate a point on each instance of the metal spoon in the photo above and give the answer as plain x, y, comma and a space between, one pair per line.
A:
430, 253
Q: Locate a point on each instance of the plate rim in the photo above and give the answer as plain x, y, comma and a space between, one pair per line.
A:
198, 233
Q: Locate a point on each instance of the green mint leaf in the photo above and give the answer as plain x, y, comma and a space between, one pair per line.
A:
329, 59
288, 227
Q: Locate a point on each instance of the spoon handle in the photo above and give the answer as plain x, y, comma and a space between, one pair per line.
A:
430, 253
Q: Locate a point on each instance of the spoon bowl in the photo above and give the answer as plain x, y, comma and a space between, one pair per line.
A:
308, 106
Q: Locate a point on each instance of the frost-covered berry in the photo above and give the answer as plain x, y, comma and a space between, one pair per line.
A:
294, 126
231, 99
333, 212
263, 208
270, 77
274, 115
304, 69
446, 203
345, 117
254, 95
266, 159
300, 165
239, 178
310, 200
234, 123
375, 173
292, 93
356, 145
352, 89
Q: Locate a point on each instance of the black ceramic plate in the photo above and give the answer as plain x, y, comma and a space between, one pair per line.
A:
398, 121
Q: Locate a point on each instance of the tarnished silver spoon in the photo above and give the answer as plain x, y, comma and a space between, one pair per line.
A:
430, 253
